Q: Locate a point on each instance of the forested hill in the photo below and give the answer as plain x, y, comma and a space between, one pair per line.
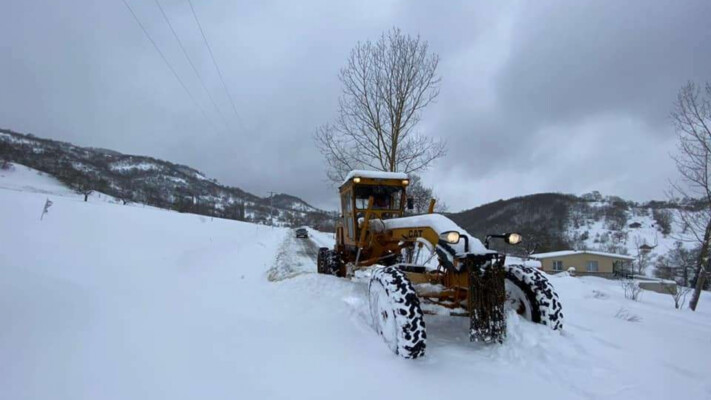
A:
152, 181
554, 221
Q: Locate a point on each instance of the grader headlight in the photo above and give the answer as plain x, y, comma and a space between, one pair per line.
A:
451, 237
514, 238
356, 179
405, 182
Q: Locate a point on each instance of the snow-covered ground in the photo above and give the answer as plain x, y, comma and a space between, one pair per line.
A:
106, 301
25, 179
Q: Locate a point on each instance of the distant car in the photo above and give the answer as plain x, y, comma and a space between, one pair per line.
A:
302, 233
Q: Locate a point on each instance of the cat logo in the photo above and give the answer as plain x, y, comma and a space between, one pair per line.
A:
413, 233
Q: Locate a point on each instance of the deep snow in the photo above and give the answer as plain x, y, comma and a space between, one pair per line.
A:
106, 301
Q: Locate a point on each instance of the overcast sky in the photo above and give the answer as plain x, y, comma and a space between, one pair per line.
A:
564, 96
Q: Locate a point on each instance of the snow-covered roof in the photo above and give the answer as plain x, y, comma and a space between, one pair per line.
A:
565, 253
374, 175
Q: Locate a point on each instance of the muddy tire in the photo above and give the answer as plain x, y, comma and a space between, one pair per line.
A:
531, 295
396, 313
321, 260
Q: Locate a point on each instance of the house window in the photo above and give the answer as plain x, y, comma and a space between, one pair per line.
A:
557, 265
592, 266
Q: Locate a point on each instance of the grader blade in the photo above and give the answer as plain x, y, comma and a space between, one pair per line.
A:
487, 296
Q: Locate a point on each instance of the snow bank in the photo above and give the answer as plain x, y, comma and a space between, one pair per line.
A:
289, 262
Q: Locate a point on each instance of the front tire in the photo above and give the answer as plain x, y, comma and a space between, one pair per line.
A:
396, 313
532, 296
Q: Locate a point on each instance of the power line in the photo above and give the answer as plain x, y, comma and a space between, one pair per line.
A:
212, 56
143, 28
180, 43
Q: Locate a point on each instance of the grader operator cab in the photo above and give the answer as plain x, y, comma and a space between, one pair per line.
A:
427, 264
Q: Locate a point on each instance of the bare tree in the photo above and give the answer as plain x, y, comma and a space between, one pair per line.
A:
677, 264
386, 85
692, 119
422, 195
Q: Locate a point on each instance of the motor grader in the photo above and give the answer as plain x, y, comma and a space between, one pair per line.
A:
427, 264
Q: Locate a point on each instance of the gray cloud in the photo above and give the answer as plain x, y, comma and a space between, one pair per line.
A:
559, 96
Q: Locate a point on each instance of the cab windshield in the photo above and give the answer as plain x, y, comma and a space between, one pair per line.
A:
384, 197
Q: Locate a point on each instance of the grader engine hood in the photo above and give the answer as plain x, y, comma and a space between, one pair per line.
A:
438, 223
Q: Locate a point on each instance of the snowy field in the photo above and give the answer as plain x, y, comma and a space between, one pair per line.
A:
106, 301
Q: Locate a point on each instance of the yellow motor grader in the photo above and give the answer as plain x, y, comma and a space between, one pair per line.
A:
428, 263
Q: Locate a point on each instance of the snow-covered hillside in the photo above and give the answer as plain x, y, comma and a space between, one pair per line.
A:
108, 301
159, 183
24, 179
553, 222
630, 228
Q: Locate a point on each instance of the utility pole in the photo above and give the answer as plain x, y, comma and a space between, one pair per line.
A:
271, 211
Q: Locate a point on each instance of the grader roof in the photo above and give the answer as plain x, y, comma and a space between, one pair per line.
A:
362, 173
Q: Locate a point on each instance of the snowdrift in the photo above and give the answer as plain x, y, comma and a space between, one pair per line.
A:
108, 301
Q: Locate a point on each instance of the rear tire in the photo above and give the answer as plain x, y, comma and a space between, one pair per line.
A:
329, 262
396, 313
531, 295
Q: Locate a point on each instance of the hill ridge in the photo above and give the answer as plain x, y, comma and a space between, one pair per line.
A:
149, 180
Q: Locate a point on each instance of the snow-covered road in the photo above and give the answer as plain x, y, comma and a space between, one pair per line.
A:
105, 301
308, 249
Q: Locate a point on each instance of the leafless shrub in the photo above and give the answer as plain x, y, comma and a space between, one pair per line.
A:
678, 293
631, 288
627, 315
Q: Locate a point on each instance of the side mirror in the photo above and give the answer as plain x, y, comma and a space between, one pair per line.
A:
410, 203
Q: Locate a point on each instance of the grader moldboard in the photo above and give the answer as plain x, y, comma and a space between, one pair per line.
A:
428, 261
